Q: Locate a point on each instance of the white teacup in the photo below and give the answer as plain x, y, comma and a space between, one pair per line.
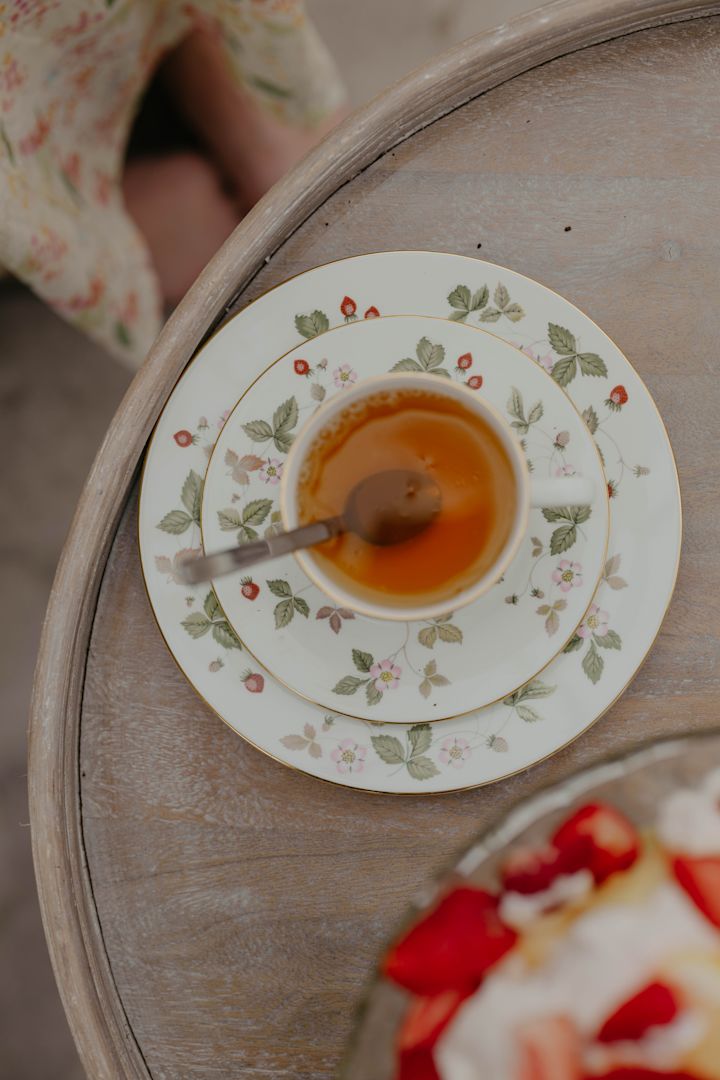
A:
529, 492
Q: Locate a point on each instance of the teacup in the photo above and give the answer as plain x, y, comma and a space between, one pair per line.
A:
523, 493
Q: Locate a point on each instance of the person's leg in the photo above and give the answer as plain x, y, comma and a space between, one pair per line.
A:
179, 204
251, 147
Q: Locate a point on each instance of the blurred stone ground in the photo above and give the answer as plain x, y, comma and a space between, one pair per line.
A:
58, 393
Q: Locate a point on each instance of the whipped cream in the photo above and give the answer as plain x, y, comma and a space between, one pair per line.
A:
609, 952
689, 820
520, 909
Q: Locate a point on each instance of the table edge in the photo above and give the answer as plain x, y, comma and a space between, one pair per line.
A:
92, 1003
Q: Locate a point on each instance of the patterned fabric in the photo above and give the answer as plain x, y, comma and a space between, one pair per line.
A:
71, 75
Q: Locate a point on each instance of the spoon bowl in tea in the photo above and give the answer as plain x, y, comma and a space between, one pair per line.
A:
385, 508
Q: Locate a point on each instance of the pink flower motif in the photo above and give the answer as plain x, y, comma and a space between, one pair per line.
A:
455, 752
565, 470
344, 376
568, 575
271, 471
222, 419
349, 756
595, 622
385, 675
547, 361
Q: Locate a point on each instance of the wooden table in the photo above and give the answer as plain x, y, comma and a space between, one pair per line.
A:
209, 912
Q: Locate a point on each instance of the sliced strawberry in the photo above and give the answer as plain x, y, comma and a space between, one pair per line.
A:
599, 839
654, 1005
416, 1065
528, 870
700, 878
453, 946
637, 1072
427, 1018
549, 1050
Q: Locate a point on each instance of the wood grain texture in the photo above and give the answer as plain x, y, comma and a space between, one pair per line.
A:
210, 913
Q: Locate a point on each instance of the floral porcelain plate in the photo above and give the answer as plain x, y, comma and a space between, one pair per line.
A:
414, 671
632, 597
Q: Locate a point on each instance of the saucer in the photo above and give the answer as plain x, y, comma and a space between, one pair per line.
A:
631, 600
440, 668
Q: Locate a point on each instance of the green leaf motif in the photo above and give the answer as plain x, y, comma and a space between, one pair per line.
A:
425, 688
591, 419
450, 633
363, 661
191, 495
514, 312
407, 364
527, 714
255, 512
458, 316
258, 430
562, 539
387, 747
535, 413
564, 370
501, 296
348, 685
246, 534
593, 663
575, 642
419, 738
422, 768
285, 416
312, 325
196, 624
561, 340
430, 356
515, 404
176, 522
278, 587
225, 635
609, 640
284, 612
439, 680
211, 605
283, 441
460, 298
301, 606
479, 298
490, 315
229, 519
534, 689
428, 636
592, 364
373, 695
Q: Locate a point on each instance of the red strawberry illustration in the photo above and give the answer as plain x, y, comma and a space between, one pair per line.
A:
249, 589
348, 308
254, 682
618, 398
183, 438
453, 946
654, 1005
465, 361
475, 382
302, 367
372, 313
599, 839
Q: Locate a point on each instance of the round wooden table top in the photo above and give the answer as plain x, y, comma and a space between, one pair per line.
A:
209, 912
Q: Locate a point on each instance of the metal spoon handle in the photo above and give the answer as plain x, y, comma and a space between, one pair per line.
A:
207, 567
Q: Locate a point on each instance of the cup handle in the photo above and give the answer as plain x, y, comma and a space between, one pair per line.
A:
561, 491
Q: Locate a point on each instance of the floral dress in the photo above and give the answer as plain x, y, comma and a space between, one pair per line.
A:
71, 75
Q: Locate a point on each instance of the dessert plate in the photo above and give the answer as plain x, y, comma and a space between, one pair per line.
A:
412, 671
632, 597
666, 790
